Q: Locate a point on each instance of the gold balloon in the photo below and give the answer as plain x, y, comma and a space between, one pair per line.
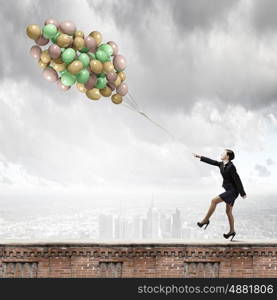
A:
122, 75
78, 43
75, 67
108, 67
58, 67
45, 57
117, 82
58, 60
116, 99
106, 92
64, 40
97, 36
33, 31
42, 64
81, 87
93, 94
96, 66
79, 33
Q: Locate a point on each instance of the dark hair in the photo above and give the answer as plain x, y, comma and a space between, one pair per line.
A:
230, 153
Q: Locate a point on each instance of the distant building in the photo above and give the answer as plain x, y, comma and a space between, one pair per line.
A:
166, 224
151, 225
176, 224
137, 227
106, 227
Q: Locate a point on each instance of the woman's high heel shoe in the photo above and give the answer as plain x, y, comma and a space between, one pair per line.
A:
201, 224
227, 235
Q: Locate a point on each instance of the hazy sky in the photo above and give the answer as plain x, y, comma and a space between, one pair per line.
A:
206, 70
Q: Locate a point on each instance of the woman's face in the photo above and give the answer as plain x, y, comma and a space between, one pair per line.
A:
224, 155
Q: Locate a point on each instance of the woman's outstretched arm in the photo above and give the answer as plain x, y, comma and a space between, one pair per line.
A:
207, 160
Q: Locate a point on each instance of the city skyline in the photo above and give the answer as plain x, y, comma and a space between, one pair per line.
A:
207, 72
155, 221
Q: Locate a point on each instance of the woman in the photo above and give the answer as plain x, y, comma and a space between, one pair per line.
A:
232, 185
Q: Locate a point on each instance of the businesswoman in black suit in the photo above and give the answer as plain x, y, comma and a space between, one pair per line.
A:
232, 185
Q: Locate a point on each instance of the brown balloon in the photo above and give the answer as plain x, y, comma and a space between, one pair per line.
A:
52, 21
78, 43
75, 67
35, 52
111, 76
119, 62
81, 87
33, 31
96, 66
97, 36
50, 74
106, 92
79, 33
64, 40
45, 57
54, 51
122, 75
108, 67
90, 43
122, 90
116, 99
42, 41
62, 86
114, 46
68, 27
91, 82
93, 94
111, 85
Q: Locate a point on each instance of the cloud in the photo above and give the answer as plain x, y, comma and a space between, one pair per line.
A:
270, 162
262, 170
198, 68
264, 16
177, 51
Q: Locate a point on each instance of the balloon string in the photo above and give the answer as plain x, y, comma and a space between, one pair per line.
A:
155, 123
137, 110
132, 102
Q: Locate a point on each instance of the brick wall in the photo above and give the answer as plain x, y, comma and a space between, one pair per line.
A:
139, 260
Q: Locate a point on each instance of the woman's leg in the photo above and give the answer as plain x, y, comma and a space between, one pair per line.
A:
230, 217
211, 210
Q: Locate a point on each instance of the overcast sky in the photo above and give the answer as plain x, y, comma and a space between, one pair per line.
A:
205, 70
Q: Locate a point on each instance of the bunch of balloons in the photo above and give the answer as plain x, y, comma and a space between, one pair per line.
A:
95, 67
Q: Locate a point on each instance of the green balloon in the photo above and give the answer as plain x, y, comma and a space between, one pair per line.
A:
63, 72
54, 38
101, 75
68, 79
84, 50
68, 55
84, 58
83, 76
102, 55
101, 83
49, 31
106, 48
91, 55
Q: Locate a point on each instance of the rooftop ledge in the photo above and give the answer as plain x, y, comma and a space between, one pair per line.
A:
130, 244
138, 259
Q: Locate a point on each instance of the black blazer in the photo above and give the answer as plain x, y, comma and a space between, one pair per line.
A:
229, 173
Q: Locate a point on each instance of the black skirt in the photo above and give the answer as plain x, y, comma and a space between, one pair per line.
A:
229, 196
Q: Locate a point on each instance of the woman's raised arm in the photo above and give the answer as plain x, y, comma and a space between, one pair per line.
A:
207, 160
